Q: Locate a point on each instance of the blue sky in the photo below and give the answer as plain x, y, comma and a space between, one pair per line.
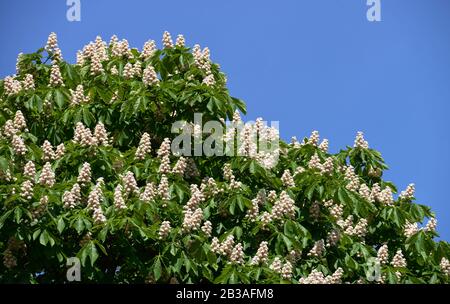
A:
310, 64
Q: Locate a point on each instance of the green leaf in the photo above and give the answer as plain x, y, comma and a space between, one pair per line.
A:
4, 164
18, 214
44, 238
59, 98
60, 225
92, 252
36, 234
157, 269
88, 118
79, 225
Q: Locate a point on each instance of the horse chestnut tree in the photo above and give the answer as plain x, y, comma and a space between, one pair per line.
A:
88, 171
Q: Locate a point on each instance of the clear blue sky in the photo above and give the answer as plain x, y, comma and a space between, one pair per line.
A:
310, 64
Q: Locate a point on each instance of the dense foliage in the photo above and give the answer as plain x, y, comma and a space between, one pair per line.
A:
86, 170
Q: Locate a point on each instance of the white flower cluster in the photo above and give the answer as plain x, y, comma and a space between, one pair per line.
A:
410, 229
287, 179
286, 271
203, 62
209, 80
285, 206
164, 156
431, 225
318, 249
84, 137
314, 162
237, 254
55, 76
114, 71
276, 265
77, 96
28, 83
9, 129
408, 193
47, 151
19, 121
149, 193
163, 189
192, 219
262, 254
360, 142
73, 197
60, 150
207, 228
398, 260
95, 52
144, 147
386, 197
196, 198
327, 166
180, 42
128, 71
120, 48
253, 212
333, 238
26, 190
336, 210
365, 193
137, 69
360, 229
317, 277
229, 176
101, 135
180, 166
84, 176
148, 50
167, 40
130, 183
445, 266
119, 202
29, 170
149, 77
383, 254
314, 138
272, 196
47, 177
324, 145
94, 203
52, 46
209, 187
352, 178
164, 230
12, 86
247, 141
225, 248
18, 145
215, 245
202, 58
